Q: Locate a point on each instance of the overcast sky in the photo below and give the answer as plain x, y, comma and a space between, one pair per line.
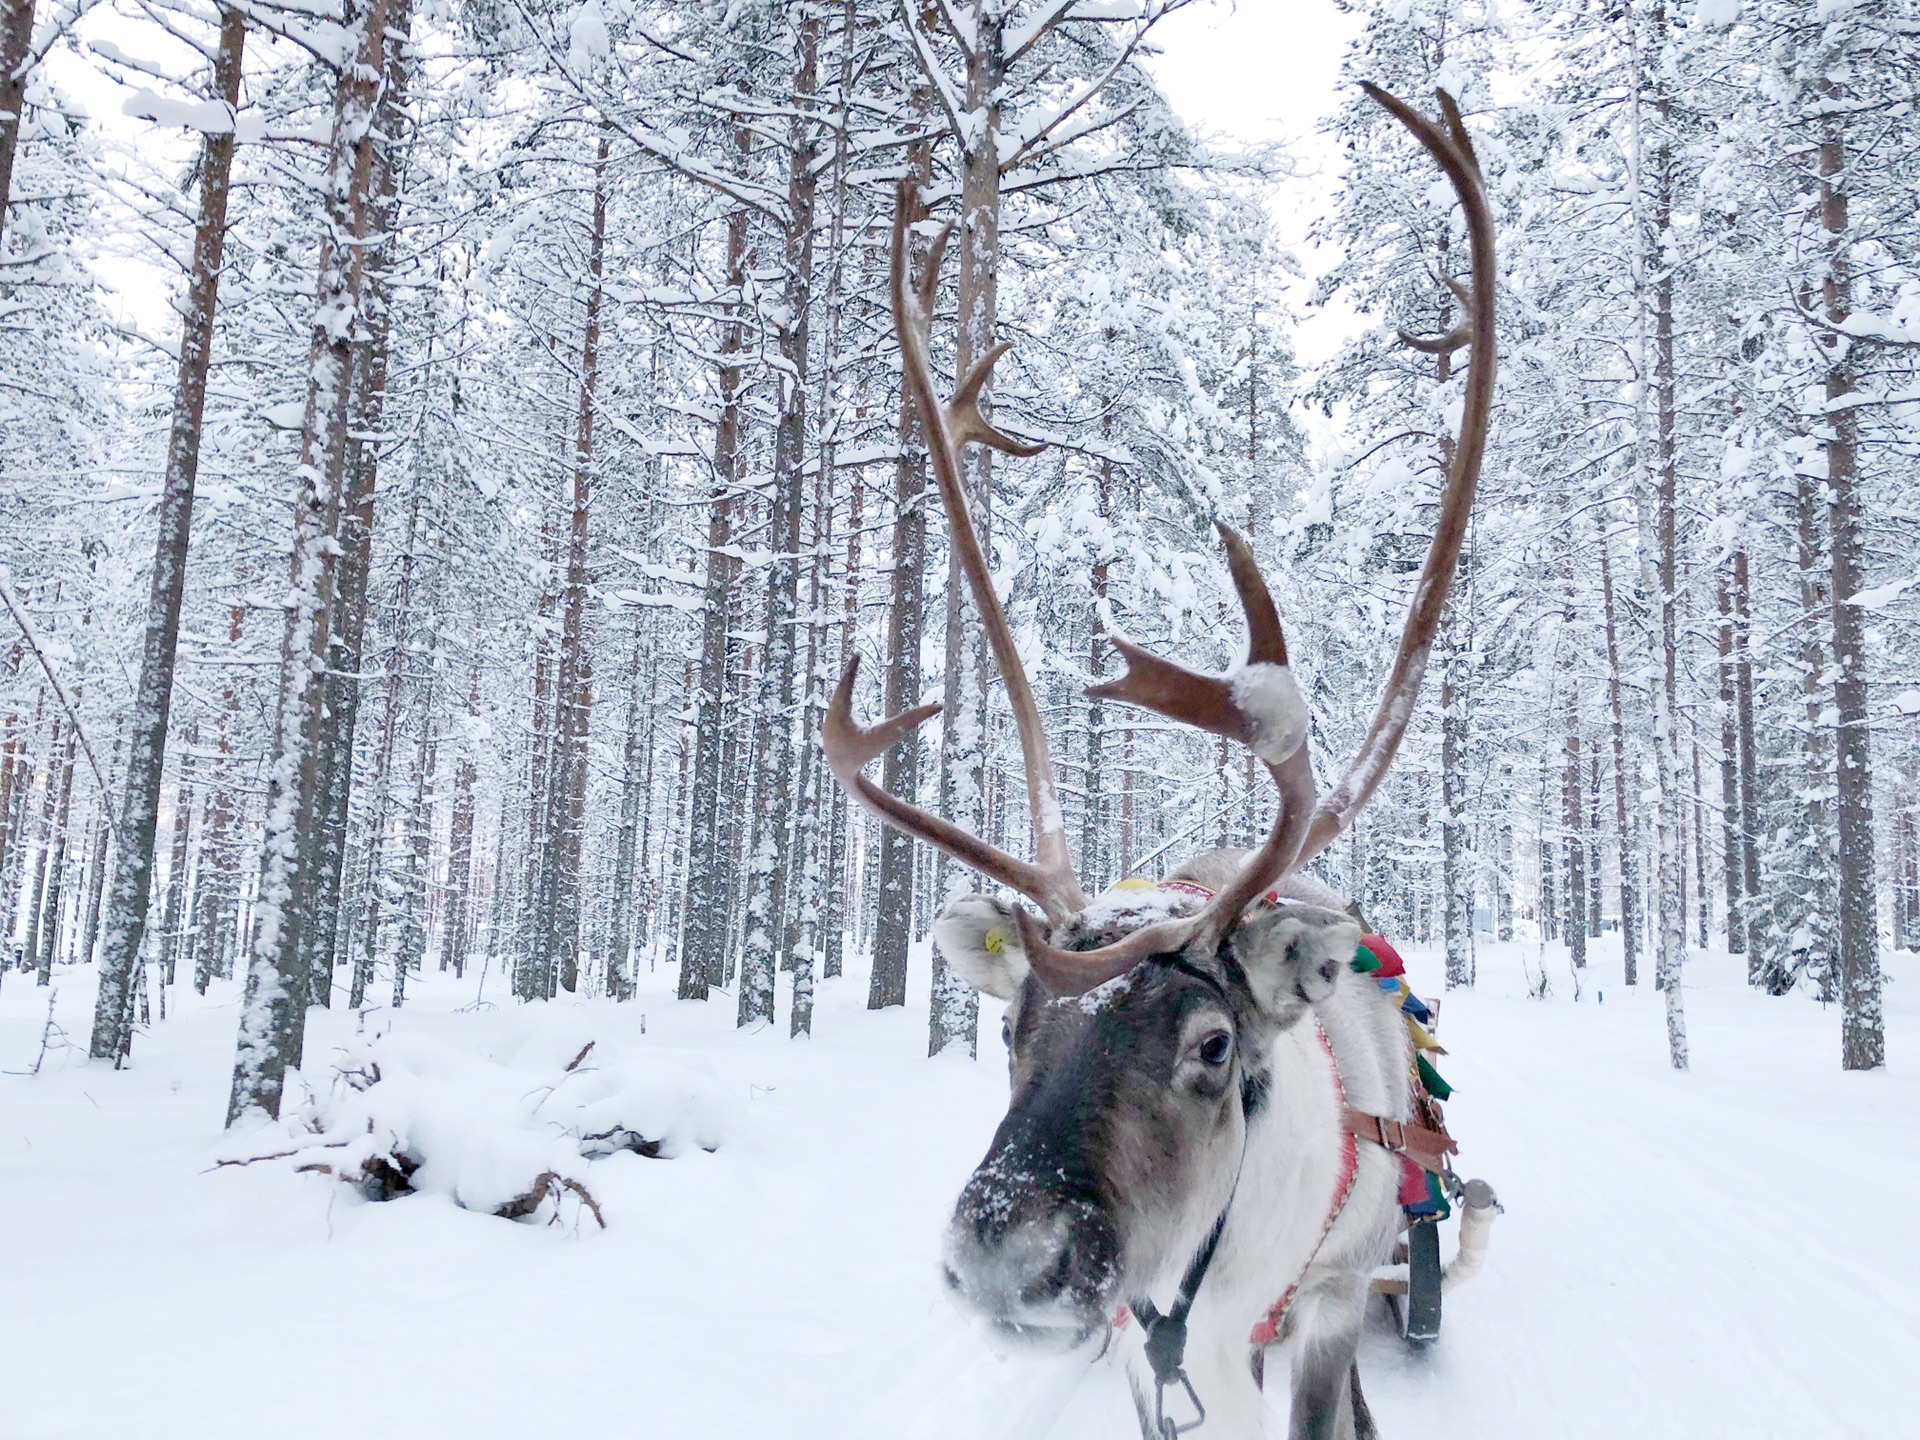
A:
1268, 70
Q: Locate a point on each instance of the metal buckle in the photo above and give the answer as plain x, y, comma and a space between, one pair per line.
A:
1395, 1139
1169, 1428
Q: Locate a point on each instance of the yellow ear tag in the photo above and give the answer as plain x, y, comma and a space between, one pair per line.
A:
995, 939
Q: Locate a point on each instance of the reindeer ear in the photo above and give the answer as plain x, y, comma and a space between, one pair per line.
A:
978, 936
1293, 954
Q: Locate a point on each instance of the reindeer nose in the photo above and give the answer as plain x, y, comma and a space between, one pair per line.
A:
1033, 1260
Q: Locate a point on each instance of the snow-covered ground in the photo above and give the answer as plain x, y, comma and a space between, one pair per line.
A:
1725, 1252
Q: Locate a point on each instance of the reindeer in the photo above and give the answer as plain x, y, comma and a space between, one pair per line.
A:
1203, 1090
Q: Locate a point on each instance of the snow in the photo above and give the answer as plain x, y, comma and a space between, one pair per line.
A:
485, 1116
1710, 1253
210, 117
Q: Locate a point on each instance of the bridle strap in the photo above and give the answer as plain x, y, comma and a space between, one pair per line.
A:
1166, 1335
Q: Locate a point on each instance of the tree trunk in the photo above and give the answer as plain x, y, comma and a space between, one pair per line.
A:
900, 766
273, 1012
127, 901
56, 868
1749, 767
1456, 880
963, 751
411, 948
1733, 877
1703, 896
16, 40
1659, 521
98, 854
37, 892
173, 913
1862, 1038
1623, 826
456, 929
1594, 887
767, 897
13, 770
620, 928
567, 815
1571, 813
703, 947
326, 945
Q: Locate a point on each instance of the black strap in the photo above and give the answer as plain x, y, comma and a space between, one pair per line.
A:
1167, 1335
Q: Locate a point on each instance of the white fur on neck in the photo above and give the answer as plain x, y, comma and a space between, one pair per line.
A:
1277, 1233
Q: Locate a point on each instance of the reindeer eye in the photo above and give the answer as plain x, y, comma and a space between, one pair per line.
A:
1006, 1032
1215, 1049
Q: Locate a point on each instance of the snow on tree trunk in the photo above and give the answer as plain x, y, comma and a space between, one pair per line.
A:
773, 819
620, 927
278, 984
326, 944
1571, 816
1862, 1042
963, 749
705, 934
1749, 765
558, 927
1655, 479
1733, 877
173, 913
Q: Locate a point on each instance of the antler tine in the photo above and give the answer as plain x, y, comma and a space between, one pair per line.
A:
1303, 828
850, 747
1260, 706
1455, 339
1453, 150
963, 415
1189, 697
1266, 641
950, 426
1074, 972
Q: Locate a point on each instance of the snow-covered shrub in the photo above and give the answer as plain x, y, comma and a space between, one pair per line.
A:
504, 1124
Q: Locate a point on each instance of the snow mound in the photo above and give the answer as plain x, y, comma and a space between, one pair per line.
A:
505, 1124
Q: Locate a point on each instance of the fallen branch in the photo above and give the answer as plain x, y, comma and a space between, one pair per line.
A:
550, 1183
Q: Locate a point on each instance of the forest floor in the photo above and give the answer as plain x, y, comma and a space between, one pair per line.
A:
1723, 1252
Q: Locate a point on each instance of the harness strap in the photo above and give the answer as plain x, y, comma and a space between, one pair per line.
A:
1425, 1147
1166, 1335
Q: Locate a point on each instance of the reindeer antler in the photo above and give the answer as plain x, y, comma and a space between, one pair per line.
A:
1049, 879
1260, 705
1453, 150
1257, 706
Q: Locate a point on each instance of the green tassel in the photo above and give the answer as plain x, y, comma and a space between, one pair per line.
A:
1365, 962
1438, 1196
1430, 1080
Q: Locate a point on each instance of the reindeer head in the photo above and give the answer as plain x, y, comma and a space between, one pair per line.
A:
1138, 1025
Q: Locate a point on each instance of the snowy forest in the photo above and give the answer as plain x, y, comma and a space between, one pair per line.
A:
458, 581
450, 450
